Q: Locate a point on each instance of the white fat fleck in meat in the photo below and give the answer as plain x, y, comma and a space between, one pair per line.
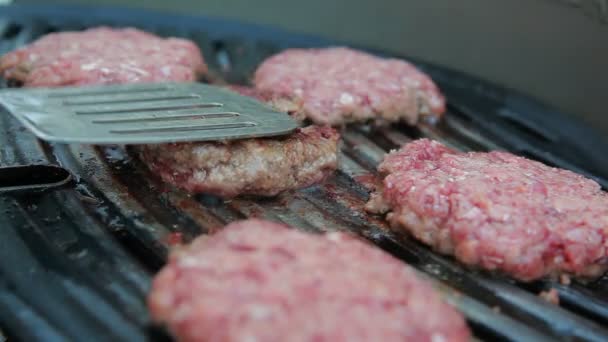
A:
347, 99
411, 82
166, 70
333, 236
188, 262
134, 69
435, 101
249, 338
437, 338
260, 312
182, 312
88, 67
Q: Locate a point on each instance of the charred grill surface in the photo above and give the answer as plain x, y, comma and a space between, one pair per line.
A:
77, 262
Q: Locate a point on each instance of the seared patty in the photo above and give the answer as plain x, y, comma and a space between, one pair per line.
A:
262, 167
341, 85
496, 210
260, 281
103, 56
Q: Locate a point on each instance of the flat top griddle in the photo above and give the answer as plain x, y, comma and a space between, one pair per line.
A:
76, 262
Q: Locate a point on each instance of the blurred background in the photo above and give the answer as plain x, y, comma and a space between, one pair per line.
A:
553, 50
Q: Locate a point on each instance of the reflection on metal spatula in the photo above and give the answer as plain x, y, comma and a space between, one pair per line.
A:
143, 114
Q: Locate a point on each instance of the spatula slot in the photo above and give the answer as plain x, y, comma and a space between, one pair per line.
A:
150, 109
169, 118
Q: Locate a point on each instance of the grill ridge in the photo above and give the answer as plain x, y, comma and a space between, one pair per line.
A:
119, 222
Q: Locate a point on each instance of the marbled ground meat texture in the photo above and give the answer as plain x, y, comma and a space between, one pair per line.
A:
103, 56
340, 85
496, 210
261, 167
261, 281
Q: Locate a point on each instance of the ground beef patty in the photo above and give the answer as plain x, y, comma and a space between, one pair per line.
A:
262, 167
341, 85
102, 56
260, 281
291, 106
496, 210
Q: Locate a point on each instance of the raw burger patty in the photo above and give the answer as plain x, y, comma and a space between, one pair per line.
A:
341, 85
496, 210
262, 167
260, 281
103, 56
291, 106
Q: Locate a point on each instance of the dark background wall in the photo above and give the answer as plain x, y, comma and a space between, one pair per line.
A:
555, 50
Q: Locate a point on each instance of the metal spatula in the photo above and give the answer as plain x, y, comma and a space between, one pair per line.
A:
143, 114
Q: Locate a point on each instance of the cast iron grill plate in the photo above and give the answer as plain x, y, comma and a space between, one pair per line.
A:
76, 263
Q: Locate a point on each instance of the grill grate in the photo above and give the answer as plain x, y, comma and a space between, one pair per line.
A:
77, 262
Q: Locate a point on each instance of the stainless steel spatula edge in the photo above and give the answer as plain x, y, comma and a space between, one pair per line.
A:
143, 114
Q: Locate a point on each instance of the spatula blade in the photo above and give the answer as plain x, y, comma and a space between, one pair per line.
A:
143, 114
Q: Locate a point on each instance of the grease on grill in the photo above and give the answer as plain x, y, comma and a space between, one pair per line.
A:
551, 296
